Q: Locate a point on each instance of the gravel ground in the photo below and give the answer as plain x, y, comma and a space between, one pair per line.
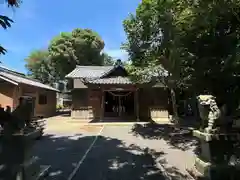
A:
119, 153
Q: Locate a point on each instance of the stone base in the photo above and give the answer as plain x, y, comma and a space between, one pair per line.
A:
230, 136
215, 172
193, 172
202, 167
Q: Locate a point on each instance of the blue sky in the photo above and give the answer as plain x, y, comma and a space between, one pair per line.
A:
37, 21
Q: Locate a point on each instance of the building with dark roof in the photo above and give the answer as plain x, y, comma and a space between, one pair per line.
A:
108, 93
13, 85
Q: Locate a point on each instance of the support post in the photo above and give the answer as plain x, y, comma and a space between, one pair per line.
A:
137, 105
119, 106
102, 106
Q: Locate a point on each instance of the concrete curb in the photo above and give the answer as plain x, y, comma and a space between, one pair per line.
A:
109, 124
114, 123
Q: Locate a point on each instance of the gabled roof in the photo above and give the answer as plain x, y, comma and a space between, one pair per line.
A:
101, 74
98, 75
89, 71
19, 78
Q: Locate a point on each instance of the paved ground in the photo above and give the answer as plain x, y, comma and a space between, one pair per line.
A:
113, 152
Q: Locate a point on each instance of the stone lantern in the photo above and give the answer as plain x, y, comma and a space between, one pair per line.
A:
216, 143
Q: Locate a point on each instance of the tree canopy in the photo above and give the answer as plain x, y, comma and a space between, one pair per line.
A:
38, 66
197, 42
65, 51
79, 47
107, 60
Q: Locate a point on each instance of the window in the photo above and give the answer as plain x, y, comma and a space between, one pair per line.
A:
42, 99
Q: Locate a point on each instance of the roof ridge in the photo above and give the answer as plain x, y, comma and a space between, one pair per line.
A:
7, 70
112, 69
94, 66
10, 70
22, 75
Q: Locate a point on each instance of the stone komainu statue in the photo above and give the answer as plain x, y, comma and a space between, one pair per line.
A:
20, 118
212, 118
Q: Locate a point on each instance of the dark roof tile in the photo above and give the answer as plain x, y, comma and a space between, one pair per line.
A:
89, 71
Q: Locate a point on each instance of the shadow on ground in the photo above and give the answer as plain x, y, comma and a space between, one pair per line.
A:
118, 120
177, 137
109, 159
64, 113
61, 152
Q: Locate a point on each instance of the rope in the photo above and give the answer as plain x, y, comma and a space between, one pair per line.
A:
120, 95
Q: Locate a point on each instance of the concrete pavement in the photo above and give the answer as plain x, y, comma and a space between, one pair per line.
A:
109, 152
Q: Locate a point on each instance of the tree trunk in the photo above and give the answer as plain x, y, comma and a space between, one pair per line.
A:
195, 108
174, 104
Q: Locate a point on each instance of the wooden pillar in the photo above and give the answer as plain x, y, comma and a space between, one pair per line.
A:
119, 106
174, 105
102, 105
137, 105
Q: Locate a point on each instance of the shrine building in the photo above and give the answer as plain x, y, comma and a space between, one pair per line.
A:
107, 93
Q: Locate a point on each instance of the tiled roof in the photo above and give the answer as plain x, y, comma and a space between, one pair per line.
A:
97, 75
111, 80
89, 71
21, 78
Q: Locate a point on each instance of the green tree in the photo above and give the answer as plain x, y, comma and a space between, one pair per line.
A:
79, 47
38, 66
5, 21
65, 51
197, 42
107, 60
150, 44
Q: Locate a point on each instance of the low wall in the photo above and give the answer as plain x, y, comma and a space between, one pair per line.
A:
83, 113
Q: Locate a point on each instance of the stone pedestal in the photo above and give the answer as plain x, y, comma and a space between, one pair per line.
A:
17, 161
214, 159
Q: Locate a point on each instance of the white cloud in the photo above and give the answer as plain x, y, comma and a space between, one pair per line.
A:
117, 53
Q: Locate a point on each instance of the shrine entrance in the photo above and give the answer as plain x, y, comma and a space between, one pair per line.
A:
119, 104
